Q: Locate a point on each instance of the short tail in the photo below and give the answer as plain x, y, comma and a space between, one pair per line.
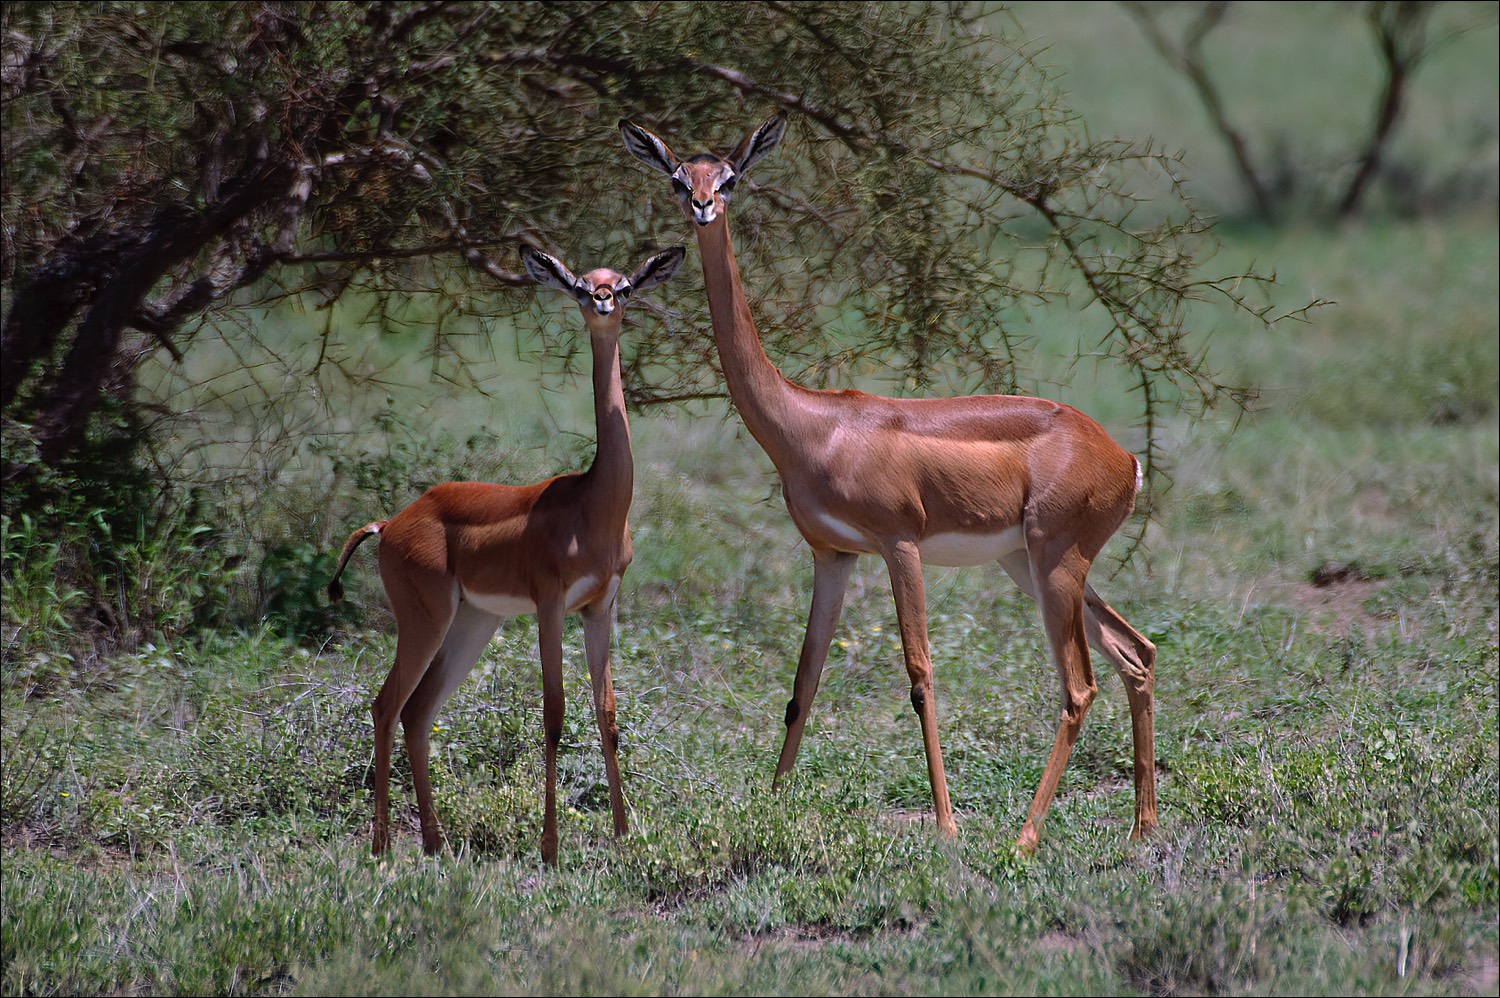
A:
335, 589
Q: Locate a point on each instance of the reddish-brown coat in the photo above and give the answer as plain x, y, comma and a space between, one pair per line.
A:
467, 554
1035, 484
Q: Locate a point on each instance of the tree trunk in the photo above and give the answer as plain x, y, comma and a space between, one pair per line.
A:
107, 279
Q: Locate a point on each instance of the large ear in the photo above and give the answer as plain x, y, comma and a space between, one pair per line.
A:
655, 270
758, 143
648, 148
548, 270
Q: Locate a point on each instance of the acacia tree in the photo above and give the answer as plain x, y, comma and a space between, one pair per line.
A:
162, 158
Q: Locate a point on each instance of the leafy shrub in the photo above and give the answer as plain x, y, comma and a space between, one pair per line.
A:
1207, 944
293, 576
101, 554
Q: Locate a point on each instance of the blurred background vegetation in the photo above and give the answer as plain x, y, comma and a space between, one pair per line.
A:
260, 286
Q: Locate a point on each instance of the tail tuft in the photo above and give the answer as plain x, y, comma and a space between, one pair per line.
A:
335, 588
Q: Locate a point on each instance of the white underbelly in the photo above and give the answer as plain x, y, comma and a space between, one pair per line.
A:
499, 604
845, 534
952, 549
970, 549
506, 605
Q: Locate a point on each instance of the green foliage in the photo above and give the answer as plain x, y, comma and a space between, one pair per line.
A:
40, 600
104, 552
82, 574
190, 813
293, 577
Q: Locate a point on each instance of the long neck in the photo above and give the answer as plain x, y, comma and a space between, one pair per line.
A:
766, 401
613, 468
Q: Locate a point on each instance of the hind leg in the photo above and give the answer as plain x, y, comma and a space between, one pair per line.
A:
1057, 572
1134, 658
468, 634
549, 619
422, 619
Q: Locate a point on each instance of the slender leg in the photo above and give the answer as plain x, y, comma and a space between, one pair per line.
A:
905, 564
549, 618
598, 619
1058, 572
1134, 658
412, 657
830, 579
467, 636
1018, 567
419, 636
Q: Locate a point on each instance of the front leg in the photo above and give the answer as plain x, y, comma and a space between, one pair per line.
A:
598, 620
549, 619
905, 564
830, 580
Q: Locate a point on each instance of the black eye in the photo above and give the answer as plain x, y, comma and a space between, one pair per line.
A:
728, 185
681, 187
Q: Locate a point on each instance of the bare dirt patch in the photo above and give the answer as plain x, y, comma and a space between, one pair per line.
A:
902, 816
801, 937
1333, 600
1058, 941
92, 856
805, 938
1334, 608
1484, 979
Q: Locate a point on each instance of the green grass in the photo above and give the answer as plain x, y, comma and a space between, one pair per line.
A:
205, 835
1301, 91
193, 816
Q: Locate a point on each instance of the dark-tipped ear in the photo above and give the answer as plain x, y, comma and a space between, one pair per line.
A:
548, 270
758, 143
648, 148
656, 270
